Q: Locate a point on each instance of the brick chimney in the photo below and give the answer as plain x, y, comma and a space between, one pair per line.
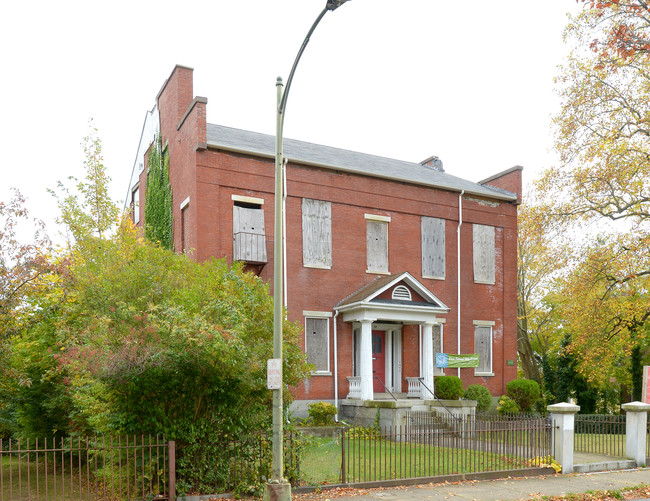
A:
433, 162
175, 98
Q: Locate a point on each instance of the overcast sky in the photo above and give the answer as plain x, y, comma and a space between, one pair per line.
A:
470, 82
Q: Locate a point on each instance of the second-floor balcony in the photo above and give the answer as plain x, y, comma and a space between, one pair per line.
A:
250, 248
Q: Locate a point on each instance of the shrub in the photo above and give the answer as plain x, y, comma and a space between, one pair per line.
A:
322, 413
448, 387
525, 392
507, 406
481, 394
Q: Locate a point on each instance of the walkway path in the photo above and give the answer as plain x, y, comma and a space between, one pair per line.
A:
524, 488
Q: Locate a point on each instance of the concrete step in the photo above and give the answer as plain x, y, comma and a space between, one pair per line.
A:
604, 466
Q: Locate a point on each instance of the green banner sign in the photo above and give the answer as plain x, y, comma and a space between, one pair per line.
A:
453, 361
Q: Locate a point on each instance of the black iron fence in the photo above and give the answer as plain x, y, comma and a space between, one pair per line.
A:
91, 468
602, 434
427, 445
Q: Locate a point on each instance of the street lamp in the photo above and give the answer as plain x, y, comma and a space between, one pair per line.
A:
278, 488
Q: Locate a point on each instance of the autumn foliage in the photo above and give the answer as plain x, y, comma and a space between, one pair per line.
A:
136, 339
596, 290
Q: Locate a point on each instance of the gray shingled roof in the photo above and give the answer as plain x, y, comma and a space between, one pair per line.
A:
243, 141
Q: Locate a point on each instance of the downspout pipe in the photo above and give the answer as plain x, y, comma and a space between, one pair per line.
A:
336, 369
460, 224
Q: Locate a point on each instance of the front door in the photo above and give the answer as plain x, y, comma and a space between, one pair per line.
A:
378, 361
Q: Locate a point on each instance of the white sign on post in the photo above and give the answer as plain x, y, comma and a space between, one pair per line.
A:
274, 374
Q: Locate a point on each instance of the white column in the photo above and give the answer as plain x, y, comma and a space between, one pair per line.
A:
365, 359
636, 421
427, 361
563, 418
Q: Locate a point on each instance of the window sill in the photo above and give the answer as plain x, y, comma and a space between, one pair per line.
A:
378, 272
484, 374
484, 283
433, 278
321, 373
317, 267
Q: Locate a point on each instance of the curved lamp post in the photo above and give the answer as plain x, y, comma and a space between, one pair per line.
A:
278, 488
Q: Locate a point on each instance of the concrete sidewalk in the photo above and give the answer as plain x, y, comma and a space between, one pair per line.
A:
493, 490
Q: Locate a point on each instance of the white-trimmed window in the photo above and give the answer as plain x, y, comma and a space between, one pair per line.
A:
377, 243
249, 241
433, 247
484, 254
483, 340
316, 233
135, 196
317, 340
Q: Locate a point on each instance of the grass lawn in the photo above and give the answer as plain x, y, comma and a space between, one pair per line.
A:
379, 459
600, 443
27, 481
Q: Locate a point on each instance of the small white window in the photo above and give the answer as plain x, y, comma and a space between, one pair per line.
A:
317, 344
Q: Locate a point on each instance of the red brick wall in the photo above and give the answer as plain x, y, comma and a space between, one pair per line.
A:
509, 180
211, 177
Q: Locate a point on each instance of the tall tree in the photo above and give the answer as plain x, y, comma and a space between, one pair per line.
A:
542, 252
24, 259
605, 315
88, 211
625, 27
139, 339
21, 262
601, 190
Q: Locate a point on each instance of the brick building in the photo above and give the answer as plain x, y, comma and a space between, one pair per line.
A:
387, 262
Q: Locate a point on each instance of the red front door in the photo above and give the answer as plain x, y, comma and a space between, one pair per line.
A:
378, 361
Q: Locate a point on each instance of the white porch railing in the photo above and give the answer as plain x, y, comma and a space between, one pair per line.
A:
414, 387
355, 386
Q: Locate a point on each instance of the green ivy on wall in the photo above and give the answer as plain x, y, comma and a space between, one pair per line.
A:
158, 200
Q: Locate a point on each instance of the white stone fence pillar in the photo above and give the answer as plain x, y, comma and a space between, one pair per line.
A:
636, 422
563, 419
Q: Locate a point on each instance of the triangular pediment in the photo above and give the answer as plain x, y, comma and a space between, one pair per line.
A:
394, 293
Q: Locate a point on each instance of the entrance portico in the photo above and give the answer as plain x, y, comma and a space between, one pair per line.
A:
378, 312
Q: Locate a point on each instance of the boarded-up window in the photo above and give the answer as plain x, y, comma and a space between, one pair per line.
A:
317, 343
377, 246
484, 260
248, 234
316, 233
433, 247
483, 346
437, 347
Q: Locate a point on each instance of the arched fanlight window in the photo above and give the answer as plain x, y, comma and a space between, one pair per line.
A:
402, 292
